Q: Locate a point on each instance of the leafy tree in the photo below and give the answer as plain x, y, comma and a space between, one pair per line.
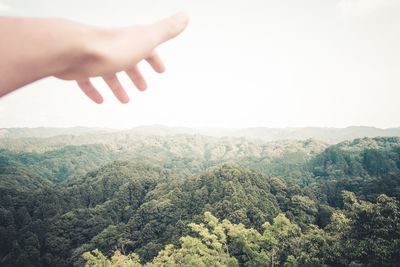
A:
373, 236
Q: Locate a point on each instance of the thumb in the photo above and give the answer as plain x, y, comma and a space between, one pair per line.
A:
168, 28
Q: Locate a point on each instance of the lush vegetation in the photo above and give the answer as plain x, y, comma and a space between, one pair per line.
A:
188, 200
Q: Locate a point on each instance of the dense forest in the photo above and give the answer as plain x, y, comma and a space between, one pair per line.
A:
134, 199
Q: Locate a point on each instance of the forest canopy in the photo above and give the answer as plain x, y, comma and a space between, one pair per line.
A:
117, 199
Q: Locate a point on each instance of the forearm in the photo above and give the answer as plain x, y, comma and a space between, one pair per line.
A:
33, 48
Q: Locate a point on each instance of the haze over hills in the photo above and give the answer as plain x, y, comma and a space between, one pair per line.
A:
328, 135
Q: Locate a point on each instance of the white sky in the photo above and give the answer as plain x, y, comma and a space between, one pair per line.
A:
240, 63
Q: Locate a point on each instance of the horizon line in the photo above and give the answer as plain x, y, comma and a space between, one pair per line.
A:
197, 127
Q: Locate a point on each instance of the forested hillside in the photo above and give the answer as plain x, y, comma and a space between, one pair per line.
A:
126, 199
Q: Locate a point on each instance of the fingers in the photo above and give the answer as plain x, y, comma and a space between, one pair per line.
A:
116, 87
88, 88
137, 78
156, 63
112, 81
168, 28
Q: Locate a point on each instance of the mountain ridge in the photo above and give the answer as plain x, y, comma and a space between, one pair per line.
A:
329, 135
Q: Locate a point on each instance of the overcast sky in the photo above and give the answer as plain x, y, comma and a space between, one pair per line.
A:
329, 63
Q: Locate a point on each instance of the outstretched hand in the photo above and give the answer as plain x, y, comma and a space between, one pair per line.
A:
121, 49
40, 47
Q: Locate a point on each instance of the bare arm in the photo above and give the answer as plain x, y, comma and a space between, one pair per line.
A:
34, 48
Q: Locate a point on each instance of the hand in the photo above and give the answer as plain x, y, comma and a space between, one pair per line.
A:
36, 48
111, 50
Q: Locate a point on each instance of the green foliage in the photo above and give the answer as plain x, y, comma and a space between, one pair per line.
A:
280, 238
282, 243
97, 259
208, 249
134, 197
302, 210
372, 235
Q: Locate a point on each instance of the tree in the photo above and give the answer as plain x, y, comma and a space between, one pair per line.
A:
97, 259
373, 236
280, 239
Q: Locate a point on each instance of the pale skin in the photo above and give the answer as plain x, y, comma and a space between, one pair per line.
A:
34, 48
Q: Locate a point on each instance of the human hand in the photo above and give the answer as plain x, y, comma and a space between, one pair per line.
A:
108, 51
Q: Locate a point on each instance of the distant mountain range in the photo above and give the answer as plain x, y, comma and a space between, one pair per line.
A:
328, 135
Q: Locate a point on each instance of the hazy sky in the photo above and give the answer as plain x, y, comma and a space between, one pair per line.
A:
242, 63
